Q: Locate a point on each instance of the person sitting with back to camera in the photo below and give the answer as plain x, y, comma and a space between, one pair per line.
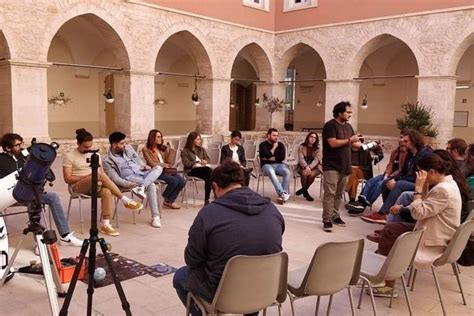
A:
236, 152
78, 174
127, 170
196, 162
309, 163
158, 154
12, 160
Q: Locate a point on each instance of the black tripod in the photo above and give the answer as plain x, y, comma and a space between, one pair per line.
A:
93, 239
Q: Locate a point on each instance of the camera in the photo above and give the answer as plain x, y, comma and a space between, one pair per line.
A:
370, 145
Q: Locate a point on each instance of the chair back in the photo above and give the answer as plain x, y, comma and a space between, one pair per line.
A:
251, 283
214, 154
182, 142
335, 266
250, 151
457, 244
174, 142
401, 256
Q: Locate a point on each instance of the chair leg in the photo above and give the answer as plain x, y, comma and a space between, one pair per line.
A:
317, 306
456, 272
329, 305
438, 289
406, 295
361, 292
413, 281
292, 302
410, 275
351, 300
279, 309
80, 215
393, 292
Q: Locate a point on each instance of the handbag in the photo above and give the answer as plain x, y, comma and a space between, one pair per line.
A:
170, 171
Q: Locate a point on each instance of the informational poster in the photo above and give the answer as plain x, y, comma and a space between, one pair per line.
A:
461, 118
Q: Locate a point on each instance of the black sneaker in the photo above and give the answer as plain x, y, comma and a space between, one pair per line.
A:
339, 222
355, 208
327, 226
363, 201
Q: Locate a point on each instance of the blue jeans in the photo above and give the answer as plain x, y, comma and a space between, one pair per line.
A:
179, 283
404, 199
153, 200
373, 188
147, 178
272, 170
174, 185
52, 200
391, 196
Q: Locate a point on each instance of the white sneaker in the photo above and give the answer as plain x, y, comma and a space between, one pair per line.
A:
156, 222
285, 196
139, 191
70, 240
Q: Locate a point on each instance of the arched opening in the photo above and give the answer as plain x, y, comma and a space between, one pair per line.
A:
463, 109
251, 67
387, 81
305, 89
6, 119
86, 52
181, 57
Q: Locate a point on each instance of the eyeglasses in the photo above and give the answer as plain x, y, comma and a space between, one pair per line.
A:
448, 149
312, 136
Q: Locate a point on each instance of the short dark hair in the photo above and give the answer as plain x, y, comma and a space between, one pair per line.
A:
236, 134
458, 144
227, 173
116, 137
340, 108
271, 130
8, 140
83, 136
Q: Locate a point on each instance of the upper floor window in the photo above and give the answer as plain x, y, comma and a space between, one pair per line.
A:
289, 5
257, 4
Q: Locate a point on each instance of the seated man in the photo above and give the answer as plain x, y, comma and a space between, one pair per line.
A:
272, 153
457, 149
12, 160
394, 186
236, 211
78, 174
362, 167
126, 170
373, 187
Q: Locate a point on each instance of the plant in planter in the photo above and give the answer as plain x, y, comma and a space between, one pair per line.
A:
418, 117
272, 104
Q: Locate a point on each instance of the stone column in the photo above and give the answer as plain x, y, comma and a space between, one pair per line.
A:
134, 108
342, 90
439, 93
26, 110
212, 113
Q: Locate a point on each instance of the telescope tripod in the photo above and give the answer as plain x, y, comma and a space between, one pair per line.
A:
42, 238
91, 242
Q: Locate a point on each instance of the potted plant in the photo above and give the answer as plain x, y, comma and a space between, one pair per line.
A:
418, 117
272, 104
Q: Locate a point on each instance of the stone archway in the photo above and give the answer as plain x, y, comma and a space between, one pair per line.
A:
88, 40
181, 56
387, 76
6, 119
306, 95
251, 76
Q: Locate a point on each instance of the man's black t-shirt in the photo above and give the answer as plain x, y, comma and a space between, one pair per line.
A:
339, 158
8, 164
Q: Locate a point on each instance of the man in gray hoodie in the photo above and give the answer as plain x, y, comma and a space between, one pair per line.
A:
238, 222
125, 168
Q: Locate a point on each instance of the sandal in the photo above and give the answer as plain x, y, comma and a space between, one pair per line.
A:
384, 291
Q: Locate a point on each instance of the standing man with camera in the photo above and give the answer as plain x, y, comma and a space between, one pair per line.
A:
338, 138
12, 159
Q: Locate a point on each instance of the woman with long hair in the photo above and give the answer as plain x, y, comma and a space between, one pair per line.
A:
196, 162
309, 163
156, 153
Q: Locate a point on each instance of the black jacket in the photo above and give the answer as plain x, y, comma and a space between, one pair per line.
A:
226, 152
239, 223
8, 164
264, 150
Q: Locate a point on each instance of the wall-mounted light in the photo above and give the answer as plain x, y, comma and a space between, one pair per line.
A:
319, 103
60, 99
109, 98
195, 96
231, 102
462, 87
365, 103
257, 103
159, 101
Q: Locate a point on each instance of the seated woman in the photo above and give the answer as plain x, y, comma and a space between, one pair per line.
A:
195, 162
438, 209
158, 154
470, 161
234, 151
309, 163
77, 173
